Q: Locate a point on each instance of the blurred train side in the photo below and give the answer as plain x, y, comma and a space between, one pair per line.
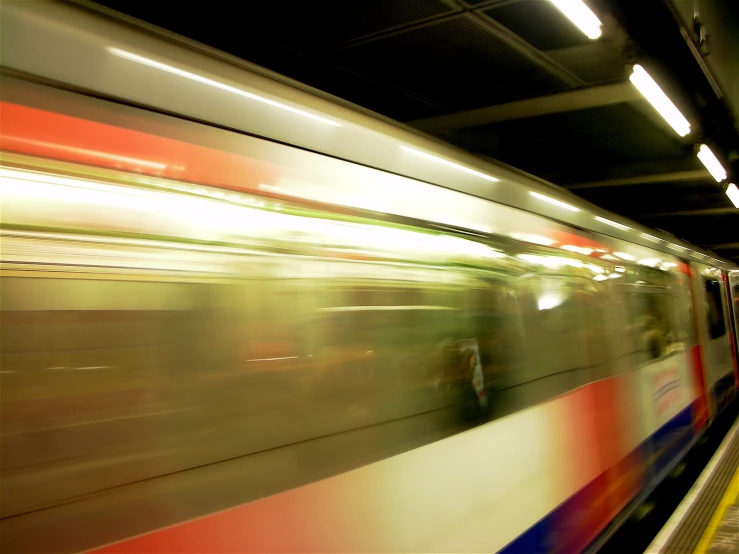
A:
194, 358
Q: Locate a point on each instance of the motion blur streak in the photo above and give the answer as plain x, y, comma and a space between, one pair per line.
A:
217, 338
210, 82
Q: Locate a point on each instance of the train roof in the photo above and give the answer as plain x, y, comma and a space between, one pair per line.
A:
109, 55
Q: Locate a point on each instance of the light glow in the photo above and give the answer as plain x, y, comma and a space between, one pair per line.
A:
582, 16
659, 100
549, 300
600, 278
449, 164
554, 201
709, 159
733, 193
578, 249
624, 256
215, 84
612, 223
534, 239
552, 262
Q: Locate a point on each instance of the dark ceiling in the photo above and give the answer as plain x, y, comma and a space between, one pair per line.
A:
511, 80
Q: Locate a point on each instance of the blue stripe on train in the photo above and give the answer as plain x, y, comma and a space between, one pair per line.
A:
665, 445
668, 442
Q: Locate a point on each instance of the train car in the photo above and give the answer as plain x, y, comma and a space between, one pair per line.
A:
239, 315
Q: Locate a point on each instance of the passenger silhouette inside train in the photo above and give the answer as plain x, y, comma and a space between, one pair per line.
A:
653, 328
459, 364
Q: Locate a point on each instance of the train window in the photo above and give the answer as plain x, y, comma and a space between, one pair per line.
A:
715, 311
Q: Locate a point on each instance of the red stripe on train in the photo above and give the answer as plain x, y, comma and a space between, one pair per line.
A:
52, 135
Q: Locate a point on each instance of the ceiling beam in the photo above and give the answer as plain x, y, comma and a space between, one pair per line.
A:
580, 99
707, 211
672, 177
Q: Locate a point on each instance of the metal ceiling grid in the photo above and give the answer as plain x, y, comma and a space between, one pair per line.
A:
658, 201
571, 146
455, 62
383, 98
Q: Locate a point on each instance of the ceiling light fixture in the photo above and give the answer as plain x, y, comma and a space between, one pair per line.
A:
582, 16
709, 159
659, 100
554, 201
215, 84
449, 164
733, 193
612, 223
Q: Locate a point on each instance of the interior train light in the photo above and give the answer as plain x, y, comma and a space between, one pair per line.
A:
534, 239
552, 262
612, 223
709, 159
650, 262
676, 247
600, 278
659, 100
578, 249
624, 256
733, 193
554, 201
650, 237
449, 164
581, 16
215, 84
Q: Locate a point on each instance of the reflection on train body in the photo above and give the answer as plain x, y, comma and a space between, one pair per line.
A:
111, 376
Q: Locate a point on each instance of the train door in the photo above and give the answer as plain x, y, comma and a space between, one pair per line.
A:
711, 312
732, 293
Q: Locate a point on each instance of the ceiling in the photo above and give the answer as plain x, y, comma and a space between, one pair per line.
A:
514, 81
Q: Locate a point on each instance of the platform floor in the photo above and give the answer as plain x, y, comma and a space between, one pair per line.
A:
707, 520
722, 533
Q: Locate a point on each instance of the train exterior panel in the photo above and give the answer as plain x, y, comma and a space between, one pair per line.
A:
259, 321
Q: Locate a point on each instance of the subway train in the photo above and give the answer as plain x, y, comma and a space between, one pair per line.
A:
240, 315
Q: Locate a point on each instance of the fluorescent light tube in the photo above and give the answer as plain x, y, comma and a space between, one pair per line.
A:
582, 16
657, 98
711, 162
